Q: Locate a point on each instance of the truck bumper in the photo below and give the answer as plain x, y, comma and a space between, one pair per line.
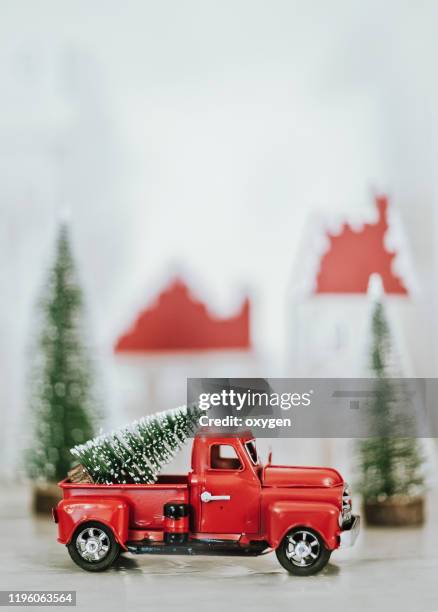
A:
349, 536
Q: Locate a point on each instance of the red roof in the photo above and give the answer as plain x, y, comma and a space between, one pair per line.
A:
354, 255
178, 322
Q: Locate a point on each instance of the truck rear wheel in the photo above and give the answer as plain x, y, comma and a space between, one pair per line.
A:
302, 552
93, 547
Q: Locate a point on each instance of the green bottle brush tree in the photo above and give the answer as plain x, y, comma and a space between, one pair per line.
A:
391, 478
62, 408
137, 452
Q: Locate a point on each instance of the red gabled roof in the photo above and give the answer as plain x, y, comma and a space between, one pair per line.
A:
353, 256
176, 321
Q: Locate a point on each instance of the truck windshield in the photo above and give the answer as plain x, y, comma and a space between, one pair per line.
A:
252, 451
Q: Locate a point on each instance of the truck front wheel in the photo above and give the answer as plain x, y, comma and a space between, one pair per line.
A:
93, 547
302, 552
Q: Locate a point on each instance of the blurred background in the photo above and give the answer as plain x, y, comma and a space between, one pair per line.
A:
213, 144
232, 175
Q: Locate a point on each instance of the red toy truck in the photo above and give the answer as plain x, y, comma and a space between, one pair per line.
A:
229, 504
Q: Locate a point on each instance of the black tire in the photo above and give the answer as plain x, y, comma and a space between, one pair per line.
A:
309, 558
93, 547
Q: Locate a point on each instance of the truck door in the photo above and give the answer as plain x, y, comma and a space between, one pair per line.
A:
230, 496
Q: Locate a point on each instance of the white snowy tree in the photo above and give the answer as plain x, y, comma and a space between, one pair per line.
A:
137, 452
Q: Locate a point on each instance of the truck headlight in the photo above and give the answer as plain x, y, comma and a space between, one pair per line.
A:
346, 503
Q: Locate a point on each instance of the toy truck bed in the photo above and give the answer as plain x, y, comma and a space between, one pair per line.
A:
145, 502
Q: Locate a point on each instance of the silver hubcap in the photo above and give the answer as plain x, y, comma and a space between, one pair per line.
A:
93, 544
302, 548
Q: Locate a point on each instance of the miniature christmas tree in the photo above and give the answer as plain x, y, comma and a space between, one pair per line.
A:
137, 452
61, 405
389, 465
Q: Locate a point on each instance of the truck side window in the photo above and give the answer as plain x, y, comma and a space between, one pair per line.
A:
224, 457
252, 451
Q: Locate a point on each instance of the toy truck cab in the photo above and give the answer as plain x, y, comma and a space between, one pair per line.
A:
229, 503
226, 485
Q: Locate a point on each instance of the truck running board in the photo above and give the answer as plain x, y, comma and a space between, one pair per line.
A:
198, 547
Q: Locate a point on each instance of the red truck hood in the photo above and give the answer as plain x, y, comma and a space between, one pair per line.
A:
286, 476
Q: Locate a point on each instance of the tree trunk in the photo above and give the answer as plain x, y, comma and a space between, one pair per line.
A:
79, 474
395, 512
45, 497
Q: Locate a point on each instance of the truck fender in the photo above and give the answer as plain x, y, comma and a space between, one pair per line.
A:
282, 516
112, 512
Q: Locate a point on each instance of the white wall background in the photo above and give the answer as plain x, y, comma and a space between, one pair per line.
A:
201, 134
